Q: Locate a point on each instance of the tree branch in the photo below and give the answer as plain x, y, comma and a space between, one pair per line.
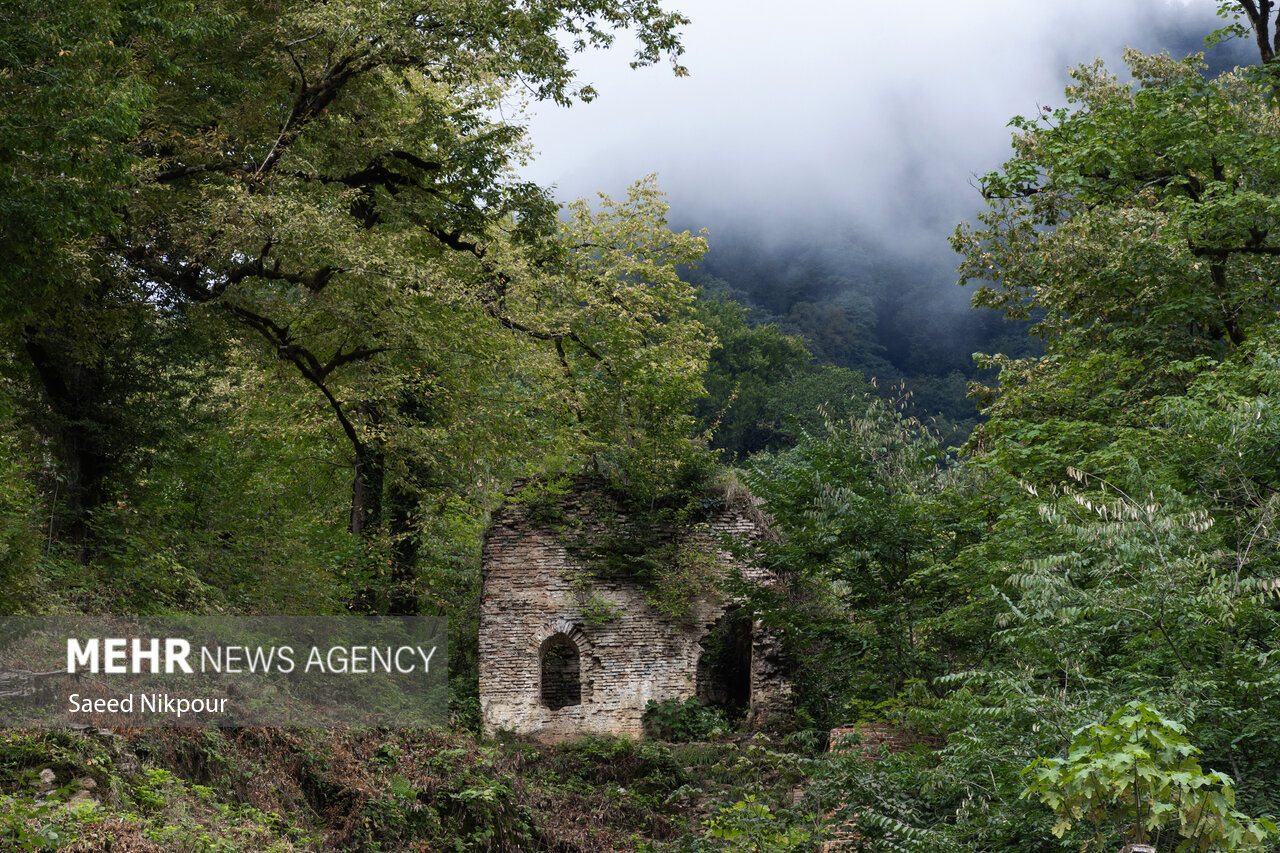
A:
1259, 15
179, 172
311, 102
1222, 252
307, 364
340, 358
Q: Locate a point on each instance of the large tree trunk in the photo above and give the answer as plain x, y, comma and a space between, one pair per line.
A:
405, 551
74, 393
368, 506
366, 491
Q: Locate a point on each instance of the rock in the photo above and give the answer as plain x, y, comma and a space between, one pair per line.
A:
82, 800
127, 762
47, 778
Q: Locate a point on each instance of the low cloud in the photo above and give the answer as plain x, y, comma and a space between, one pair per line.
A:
812, 119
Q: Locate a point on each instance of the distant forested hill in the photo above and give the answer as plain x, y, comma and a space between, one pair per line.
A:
900, 321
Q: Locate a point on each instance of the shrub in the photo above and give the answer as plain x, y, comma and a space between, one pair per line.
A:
674, 720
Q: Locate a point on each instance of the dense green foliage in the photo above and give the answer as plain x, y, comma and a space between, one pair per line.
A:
763, 387
1135, 777
873, 528
301, 223
1108, 535
690, 720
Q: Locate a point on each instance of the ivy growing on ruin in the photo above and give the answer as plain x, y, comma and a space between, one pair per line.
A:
648, 526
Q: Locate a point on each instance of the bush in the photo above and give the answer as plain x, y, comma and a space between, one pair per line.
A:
678, 721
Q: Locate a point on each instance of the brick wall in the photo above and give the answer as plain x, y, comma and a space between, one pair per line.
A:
869, 738
528, 598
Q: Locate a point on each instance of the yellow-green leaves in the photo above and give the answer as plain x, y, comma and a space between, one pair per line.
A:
1136, 775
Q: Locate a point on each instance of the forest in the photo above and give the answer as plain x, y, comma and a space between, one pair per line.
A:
282, 326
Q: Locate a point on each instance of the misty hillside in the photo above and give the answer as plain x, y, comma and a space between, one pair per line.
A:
893, 319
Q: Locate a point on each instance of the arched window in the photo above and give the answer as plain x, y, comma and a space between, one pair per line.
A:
561, 676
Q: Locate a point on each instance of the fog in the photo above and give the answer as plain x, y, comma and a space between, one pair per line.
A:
810, 121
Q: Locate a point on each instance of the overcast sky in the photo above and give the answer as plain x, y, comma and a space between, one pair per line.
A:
817, 117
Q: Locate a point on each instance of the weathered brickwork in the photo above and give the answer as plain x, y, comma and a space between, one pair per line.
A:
870, 741
869, 738
529, 605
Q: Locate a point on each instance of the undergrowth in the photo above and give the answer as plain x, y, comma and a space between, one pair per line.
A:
233, 790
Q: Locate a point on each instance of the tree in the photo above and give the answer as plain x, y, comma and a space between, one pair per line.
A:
71, 106
329, 177
1120, 539
763, 389
69, 109
1138, 230
871, 520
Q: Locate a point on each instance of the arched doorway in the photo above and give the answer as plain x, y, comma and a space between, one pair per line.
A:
561, 672
724, 667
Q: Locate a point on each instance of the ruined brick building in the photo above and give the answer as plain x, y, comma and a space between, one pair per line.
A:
561, 658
